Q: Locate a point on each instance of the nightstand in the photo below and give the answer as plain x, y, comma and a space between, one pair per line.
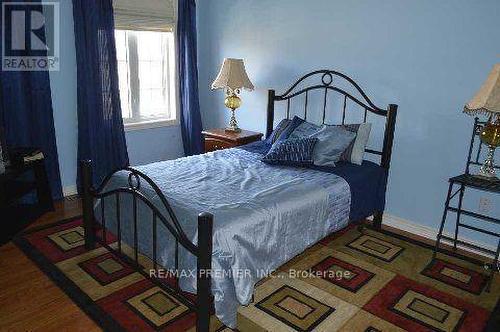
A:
219, 139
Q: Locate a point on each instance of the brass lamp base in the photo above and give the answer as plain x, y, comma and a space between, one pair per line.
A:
232, 102
233, 124
490, 136
488, 169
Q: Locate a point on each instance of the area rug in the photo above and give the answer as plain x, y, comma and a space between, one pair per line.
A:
354, 280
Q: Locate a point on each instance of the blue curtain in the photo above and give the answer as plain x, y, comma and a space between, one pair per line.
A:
101, 137
27, 117
190, 120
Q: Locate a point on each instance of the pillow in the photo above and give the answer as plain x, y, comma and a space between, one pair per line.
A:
291, 152
332, 141
353, 153
305, 129
284, 129
278, 130
356, 150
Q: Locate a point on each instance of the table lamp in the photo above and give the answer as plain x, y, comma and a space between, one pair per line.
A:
232, 78
487, 102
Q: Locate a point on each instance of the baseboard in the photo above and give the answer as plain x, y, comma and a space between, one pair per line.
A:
430, 233
70, 191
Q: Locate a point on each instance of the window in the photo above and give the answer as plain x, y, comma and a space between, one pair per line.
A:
146, 77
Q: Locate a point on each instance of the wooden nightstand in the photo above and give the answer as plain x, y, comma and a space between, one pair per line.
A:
219, 139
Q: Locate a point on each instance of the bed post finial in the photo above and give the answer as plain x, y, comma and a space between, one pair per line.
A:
270, 112
87, 202
204, 266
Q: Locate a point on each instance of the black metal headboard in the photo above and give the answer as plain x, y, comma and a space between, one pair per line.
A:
328, 83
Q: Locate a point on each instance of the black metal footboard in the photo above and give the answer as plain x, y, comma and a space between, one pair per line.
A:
202, 250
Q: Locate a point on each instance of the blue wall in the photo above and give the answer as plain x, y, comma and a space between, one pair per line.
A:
428, 56
143, 146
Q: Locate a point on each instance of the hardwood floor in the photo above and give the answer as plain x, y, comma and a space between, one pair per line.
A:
29, 300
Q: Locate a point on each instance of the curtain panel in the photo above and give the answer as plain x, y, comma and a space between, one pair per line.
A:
190, 117
27, 116
101, 136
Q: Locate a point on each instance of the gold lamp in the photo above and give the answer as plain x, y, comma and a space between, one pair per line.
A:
487, 102
232, 78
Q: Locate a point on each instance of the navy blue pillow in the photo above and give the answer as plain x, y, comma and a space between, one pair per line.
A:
280, 128
284, 129
292, 152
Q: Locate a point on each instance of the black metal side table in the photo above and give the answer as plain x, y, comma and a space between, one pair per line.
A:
465, 181
12, 189
14, 185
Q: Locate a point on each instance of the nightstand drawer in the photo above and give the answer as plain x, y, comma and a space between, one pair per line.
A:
213, 144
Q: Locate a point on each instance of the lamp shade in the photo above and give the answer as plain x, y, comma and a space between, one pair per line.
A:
232, 75
487, 99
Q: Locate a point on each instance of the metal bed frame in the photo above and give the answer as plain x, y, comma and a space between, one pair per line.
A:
202, 251
203, 303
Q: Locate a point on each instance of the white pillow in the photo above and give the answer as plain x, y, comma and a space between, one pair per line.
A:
358, 149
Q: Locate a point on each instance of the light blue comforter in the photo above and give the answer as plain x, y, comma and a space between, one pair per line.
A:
263, 216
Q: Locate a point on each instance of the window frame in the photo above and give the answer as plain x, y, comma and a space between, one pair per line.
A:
135, 122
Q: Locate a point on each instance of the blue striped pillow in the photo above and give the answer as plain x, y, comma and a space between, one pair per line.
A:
280, 128
292, 152
284, 129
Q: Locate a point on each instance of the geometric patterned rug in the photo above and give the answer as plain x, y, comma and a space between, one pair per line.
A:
350, 281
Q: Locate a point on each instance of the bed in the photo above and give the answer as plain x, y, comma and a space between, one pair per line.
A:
222, 221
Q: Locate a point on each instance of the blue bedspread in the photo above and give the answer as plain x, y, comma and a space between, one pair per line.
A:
263, 216
367, 182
